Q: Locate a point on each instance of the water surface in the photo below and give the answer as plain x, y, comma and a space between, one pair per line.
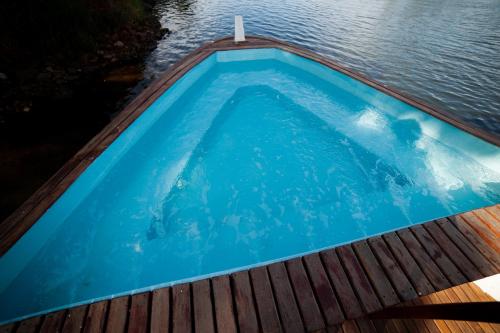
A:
446, 53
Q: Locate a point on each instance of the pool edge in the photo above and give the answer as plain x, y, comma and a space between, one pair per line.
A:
23, 218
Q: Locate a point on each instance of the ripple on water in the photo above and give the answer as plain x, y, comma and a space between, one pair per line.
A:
444, 52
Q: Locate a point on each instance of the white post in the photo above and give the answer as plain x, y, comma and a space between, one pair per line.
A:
239, 30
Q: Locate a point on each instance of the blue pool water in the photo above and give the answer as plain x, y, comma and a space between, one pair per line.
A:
253, 156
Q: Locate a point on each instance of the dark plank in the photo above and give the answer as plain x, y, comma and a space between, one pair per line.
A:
139, 312
287, 306
365, 325
30, 325
476, 240
437, 255
341, 284
96, 317
117, 314
408, 264
245, 308
461, 261
358, 278
53, 322
466, 247
399, 280
74, 319
324, 292
181, 306
266, 306
160, 310
377, 276
224, 313
349, 326
202, 306
478, 225
311, 313
425, 262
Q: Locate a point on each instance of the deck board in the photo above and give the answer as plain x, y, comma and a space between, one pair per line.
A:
312, 293
323, 290
400, 281
382, 285
285, 299
202, 306
118, 314
266, 306
308, 305
341, 284
245, 308
73, 323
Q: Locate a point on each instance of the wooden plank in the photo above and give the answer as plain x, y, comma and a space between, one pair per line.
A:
181, 306
117, 314
430, 269
341, 284
53, 322
461, 261
466, 247
96, 317
287, 306
202, 306
478, 225
401, 284
489, 220
377, 276
493, 211
73, 322
139, 313
160, 310
266, 307
467, 294
349, 326
414, 325
366, 294
467, 325
408, 264
476, 240
30, 325
323, 290
446, 325
437, 255
223, 301
245, 308
365, 325
313, 320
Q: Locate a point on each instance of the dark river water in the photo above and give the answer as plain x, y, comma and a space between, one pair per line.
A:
444, 52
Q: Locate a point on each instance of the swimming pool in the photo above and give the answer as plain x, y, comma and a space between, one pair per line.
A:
252, 156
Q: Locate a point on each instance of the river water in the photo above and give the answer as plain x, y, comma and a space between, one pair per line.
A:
446, 53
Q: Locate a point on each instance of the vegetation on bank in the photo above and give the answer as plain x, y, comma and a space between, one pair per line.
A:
33, 30
66, 66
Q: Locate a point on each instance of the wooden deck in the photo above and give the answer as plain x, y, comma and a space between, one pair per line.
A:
332, 290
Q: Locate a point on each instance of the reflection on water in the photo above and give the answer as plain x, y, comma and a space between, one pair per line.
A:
444, 52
